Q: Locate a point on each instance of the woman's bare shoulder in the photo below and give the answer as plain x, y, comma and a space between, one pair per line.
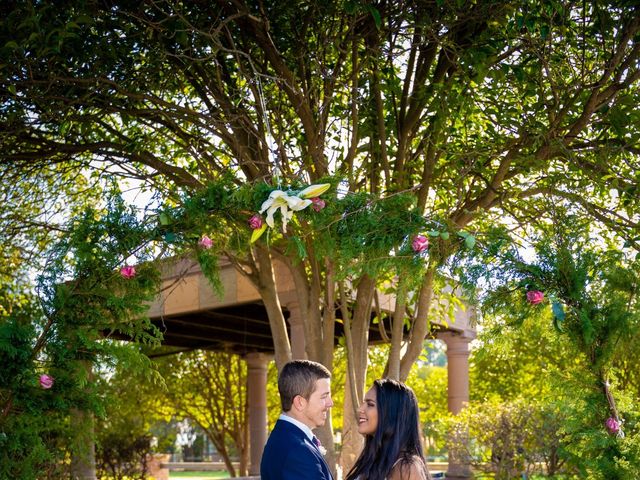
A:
415, 469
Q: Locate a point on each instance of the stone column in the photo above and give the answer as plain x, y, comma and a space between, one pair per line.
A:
257, 396
298, 344
458, 396
83, 457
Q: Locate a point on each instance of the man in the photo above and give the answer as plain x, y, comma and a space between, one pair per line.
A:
292, 451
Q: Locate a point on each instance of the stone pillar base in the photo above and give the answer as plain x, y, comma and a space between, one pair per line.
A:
156, 467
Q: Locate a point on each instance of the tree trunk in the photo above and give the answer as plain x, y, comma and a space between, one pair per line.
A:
420, 327
397, 329
243, 471
267, 289
351, 439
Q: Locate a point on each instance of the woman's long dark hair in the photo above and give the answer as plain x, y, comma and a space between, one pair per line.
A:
397, 435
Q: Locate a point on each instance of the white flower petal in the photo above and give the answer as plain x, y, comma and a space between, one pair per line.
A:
275, 197
272, 209
297, 204
286, 216
277, 194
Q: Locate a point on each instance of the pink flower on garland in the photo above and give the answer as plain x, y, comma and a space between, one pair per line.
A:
128, 271
318, 204
613, 425
535, 297
46, 381
205, 242
255, 222
420, 243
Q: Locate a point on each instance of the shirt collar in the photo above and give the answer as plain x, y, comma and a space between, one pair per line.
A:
307, 431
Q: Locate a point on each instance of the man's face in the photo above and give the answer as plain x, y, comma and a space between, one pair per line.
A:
314, 410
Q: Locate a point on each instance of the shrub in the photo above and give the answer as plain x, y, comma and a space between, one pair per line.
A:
510, 439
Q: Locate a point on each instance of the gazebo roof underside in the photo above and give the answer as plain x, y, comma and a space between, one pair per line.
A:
238, 329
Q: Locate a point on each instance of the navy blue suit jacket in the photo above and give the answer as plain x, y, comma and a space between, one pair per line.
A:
290, 455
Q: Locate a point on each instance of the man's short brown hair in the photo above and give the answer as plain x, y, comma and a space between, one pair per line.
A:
299, 377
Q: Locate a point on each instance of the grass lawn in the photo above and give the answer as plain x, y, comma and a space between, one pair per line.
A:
197, 475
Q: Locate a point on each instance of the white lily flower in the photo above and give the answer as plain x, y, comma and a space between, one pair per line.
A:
287, 205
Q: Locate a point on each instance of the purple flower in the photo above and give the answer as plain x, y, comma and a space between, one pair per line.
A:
612, 424
535, 297
205, 242
128, 271
420, 243
255, 222
318, 204
46, 381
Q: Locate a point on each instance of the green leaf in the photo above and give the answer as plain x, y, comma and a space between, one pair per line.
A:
470, 241
544, 31
444, 235
375, 13
164, 219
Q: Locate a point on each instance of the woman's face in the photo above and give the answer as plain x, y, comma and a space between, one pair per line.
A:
368, 413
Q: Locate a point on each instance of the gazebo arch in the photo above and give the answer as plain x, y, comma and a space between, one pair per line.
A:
192, 316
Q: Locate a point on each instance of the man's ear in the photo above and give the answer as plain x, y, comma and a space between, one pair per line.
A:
299, 402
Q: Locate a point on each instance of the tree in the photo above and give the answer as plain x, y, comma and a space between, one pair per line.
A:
592, 291
519, 376
48, 394
210, 389
518, 360
481, 113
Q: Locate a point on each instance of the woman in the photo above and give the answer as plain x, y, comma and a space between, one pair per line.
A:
388, 418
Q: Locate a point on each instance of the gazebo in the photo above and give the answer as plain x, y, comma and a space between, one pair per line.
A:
191, 316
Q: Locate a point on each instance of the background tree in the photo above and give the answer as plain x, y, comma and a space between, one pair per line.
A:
591, 288
210, 389
125, 425
49, 393
519, 375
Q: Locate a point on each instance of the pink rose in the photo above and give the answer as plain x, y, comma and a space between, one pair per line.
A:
612, 425
205, 242
535, 297
420, 243
46, 381
255, 222
128, 271
318, 204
